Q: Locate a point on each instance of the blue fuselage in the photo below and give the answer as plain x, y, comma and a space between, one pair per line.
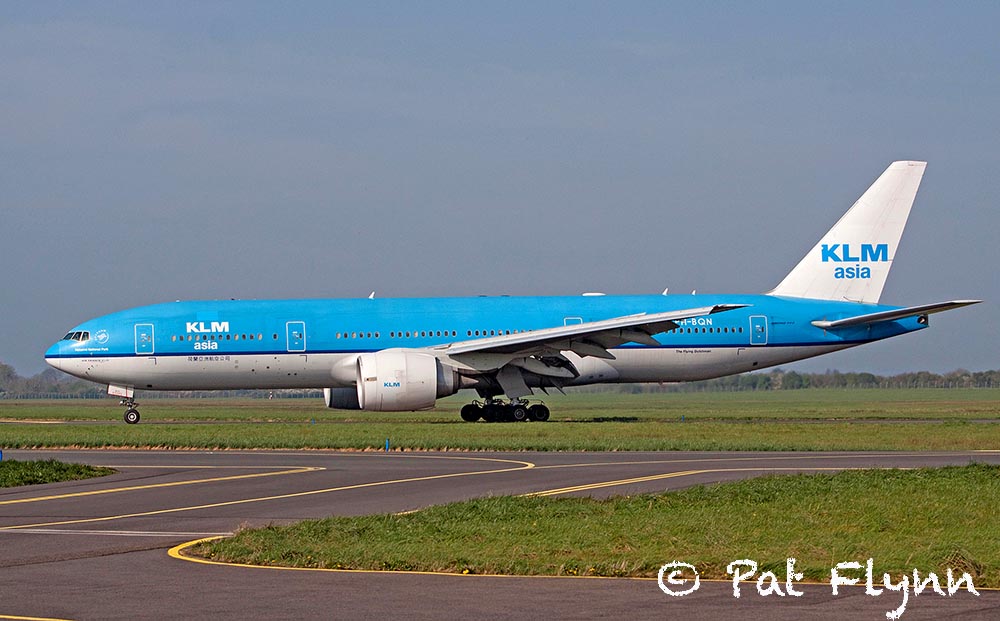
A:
228, 344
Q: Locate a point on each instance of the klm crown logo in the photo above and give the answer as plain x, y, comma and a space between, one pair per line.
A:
842, 253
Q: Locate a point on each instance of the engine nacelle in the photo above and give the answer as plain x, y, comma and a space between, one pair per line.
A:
401, 381
341, 398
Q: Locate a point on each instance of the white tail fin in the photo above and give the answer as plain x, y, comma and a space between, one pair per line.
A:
852, 260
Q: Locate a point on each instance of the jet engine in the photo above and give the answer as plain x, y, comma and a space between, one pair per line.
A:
396, 381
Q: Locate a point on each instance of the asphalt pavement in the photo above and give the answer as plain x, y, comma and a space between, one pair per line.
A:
100, 549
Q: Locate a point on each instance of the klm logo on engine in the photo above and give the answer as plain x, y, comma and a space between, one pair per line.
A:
199, 327
390, 385
842, 253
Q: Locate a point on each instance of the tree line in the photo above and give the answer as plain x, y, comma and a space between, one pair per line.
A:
779, 379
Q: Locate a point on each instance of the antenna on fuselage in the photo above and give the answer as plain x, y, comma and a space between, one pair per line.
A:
665, 289
371, 296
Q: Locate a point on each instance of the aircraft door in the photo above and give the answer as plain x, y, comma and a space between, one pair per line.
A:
758, 330
144, 338
295, 332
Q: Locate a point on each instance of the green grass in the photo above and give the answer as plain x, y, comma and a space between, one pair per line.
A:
802, 405
614, 436
16, 473
928, 519
809, 420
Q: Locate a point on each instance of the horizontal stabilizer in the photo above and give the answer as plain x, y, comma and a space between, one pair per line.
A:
893, 315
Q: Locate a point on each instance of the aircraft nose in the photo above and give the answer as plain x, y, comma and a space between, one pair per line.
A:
52, 357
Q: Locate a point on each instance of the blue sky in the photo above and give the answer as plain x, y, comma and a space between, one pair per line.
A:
153, 152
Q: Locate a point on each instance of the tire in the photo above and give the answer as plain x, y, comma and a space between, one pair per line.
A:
132, 416
491, 413
538, 413
471, 413
519, 413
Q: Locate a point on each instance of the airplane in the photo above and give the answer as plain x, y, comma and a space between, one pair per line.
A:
403, 354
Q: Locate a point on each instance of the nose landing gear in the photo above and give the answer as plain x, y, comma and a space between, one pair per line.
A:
131, 414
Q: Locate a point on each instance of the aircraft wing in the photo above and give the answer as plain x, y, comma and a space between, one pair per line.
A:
594, 338
892, 315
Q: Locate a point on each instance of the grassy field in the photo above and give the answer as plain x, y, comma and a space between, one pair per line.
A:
802, 405
781, 420
16, 473
927, 519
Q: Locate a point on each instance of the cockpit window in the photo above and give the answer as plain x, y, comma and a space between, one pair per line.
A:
77, 336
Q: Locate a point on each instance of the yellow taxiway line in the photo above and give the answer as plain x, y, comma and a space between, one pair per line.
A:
522, 465
132, 488
177, 552
668, 475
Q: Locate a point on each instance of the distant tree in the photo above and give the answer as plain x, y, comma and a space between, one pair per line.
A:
8, 376
792, 381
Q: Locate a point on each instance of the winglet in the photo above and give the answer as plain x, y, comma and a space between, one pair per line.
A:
851, 262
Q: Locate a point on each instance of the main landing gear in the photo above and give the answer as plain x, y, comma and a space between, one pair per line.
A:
131, 414
495, 411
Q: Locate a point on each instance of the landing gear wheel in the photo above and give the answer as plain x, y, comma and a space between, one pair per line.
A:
519, 413
471, 413
132, 416
538, 412
491, 413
